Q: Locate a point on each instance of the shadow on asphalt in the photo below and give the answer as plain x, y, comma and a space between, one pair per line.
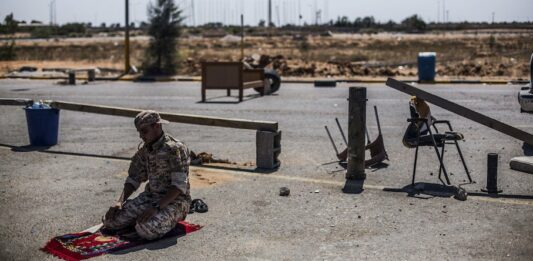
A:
353, 186
528, 149
373, 168
244, 98
228, 167
424, 190
499, 195
378, 166
44, 149
29, 148
157, 245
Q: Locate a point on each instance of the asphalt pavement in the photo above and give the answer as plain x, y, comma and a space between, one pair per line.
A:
45, 192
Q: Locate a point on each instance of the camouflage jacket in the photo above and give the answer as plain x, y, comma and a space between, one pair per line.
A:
163, 164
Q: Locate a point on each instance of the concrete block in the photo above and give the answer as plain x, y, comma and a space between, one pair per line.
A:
268, 148
91, 75
325, 83
72, 78
524, 164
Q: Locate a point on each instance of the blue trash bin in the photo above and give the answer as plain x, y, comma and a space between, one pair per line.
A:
43, 125
426, 66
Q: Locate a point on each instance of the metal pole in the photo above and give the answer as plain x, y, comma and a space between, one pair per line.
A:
331, 139
531, 74
356, 133
242, 37
269, 13
127, 40
342, 132
492, 174
367, 136
377, 118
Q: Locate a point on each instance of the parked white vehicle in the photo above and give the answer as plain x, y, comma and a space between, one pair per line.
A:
525, 96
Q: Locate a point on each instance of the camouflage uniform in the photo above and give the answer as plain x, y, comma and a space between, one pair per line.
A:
163, 164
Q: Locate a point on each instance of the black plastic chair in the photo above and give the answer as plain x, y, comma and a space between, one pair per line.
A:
414, 137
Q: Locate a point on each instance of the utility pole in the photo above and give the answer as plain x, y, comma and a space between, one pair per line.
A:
53, 12
192, 13
277, 15
127, 40
242, 37
444, 10
299, 13
493, 14
269, 13
438, 11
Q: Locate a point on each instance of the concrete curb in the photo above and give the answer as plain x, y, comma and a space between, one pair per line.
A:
523, 164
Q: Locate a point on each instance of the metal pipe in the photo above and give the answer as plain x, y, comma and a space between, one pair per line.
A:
492, 174
531, 74
127, 40
331, 139
377, 118
242, 37
342, 132
367, 136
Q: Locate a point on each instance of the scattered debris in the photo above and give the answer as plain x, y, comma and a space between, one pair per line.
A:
317, 191
376, 147
460, 194
284, 191
27, 69
198, 205
204, 157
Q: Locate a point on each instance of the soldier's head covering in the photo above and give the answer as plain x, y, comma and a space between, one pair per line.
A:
148, 117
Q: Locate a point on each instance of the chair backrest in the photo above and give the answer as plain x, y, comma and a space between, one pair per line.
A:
418, 108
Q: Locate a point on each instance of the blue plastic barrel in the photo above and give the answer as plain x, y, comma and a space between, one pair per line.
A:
426, 66
43, 125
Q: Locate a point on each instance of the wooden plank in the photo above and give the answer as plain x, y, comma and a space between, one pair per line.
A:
462, 111
4, 101
172, 117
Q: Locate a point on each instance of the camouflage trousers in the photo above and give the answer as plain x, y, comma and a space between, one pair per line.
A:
158, 225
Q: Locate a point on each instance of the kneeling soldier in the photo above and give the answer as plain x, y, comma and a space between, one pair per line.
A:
164, 162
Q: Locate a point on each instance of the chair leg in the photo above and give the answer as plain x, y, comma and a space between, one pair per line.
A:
442, 162
440, 158
228, 92
240, 94
463, 160
203, 94
414, 167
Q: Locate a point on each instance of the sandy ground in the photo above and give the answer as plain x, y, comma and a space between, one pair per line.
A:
459, 54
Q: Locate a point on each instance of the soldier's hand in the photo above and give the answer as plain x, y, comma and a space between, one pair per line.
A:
146, 215
112, 212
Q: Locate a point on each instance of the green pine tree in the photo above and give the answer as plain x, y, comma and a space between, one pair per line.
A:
162, 55
7, 50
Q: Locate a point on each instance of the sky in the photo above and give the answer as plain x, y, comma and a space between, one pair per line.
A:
283, 11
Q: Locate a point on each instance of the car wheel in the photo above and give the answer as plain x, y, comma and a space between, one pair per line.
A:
274, 80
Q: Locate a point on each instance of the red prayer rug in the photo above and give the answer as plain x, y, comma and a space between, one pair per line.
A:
87, 244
